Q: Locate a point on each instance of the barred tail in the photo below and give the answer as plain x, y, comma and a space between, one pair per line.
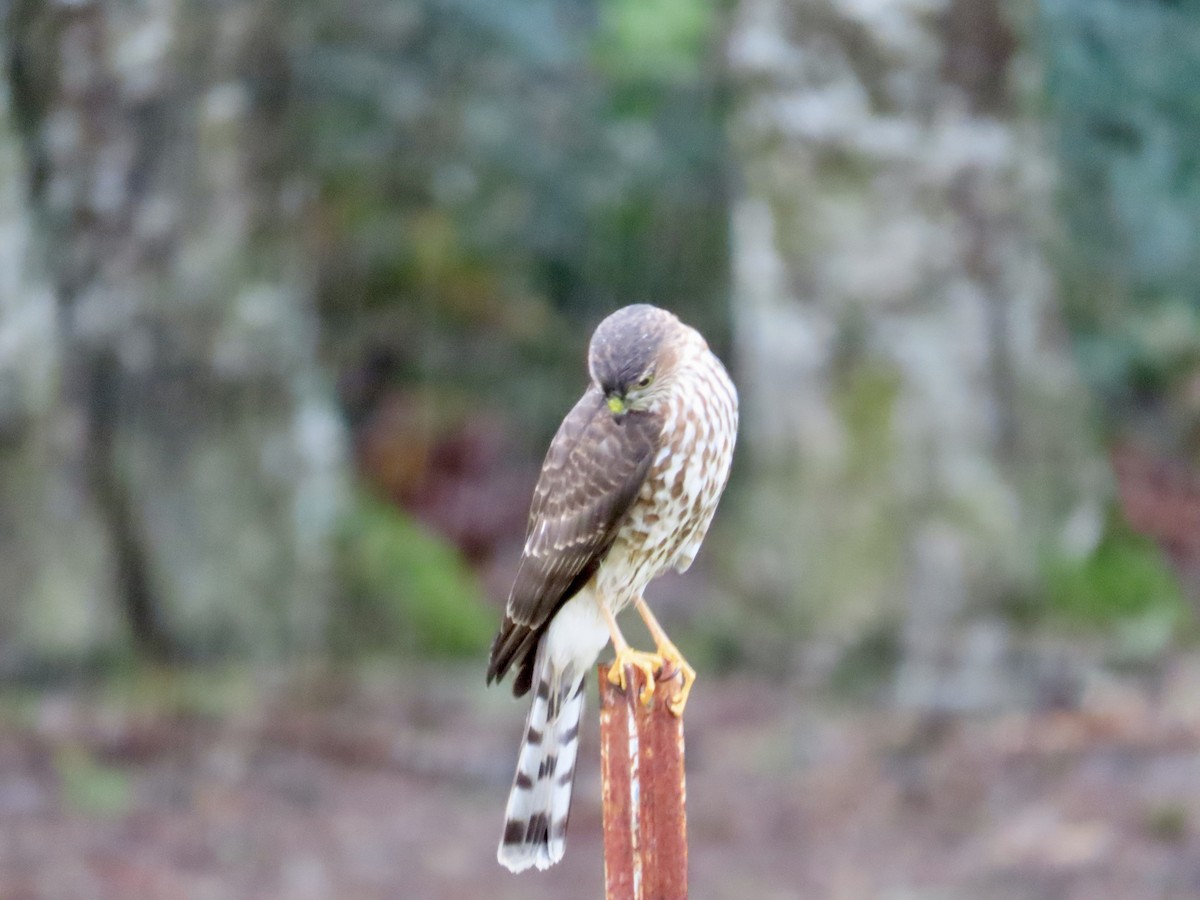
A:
535, 826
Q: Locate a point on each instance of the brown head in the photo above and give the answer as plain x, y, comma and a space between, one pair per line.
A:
636, 353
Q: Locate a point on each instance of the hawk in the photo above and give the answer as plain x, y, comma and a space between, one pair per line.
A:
627, 491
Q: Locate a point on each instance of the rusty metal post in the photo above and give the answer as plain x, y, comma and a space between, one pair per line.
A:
645, 817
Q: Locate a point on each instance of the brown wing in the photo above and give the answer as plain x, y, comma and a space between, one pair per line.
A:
592, 473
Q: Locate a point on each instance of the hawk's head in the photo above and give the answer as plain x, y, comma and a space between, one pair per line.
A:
635, 354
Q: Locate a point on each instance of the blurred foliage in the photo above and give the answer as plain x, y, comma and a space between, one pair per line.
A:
1125, 579
663, 41
1167, 821
90, 786
1148, 353
406, 588
1122, 77
870, 663
495, 175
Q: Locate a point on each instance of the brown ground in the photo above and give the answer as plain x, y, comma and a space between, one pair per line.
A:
387, 786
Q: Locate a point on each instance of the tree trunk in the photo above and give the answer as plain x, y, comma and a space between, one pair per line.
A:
57, 601
916, 428
196, 439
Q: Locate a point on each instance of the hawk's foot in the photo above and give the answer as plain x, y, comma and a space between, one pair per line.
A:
649, 664
674, 664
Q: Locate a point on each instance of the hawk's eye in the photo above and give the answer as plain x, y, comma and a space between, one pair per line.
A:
645, 381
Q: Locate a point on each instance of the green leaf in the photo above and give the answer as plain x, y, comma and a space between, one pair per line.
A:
408, 588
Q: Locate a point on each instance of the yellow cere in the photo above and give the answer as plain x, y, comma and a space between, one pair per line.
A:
616, 404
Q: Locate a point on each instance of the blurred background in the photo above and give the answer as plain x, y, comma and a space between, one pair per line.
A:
294, 294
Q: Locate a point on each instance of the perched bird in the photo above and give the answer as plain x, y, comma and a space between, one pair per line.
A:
627, 491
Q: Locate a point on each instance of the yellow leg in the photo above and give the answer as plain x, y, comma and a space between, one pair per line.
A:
669, 653
646, 663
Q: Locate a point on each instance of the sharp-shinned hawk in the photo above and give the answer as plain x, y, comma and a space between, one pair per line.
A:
627, 491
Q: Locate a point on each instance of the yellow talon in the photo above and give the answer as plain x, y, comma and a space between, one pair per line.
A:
665, 665
672, 660
670, 656
647, 663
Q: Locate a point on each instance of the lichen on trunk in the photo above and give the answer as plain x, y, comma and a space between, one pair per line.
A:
166, 194
918, 432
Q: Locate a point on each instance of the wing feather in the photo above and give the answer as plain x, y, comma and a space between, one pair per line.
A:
592, 473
